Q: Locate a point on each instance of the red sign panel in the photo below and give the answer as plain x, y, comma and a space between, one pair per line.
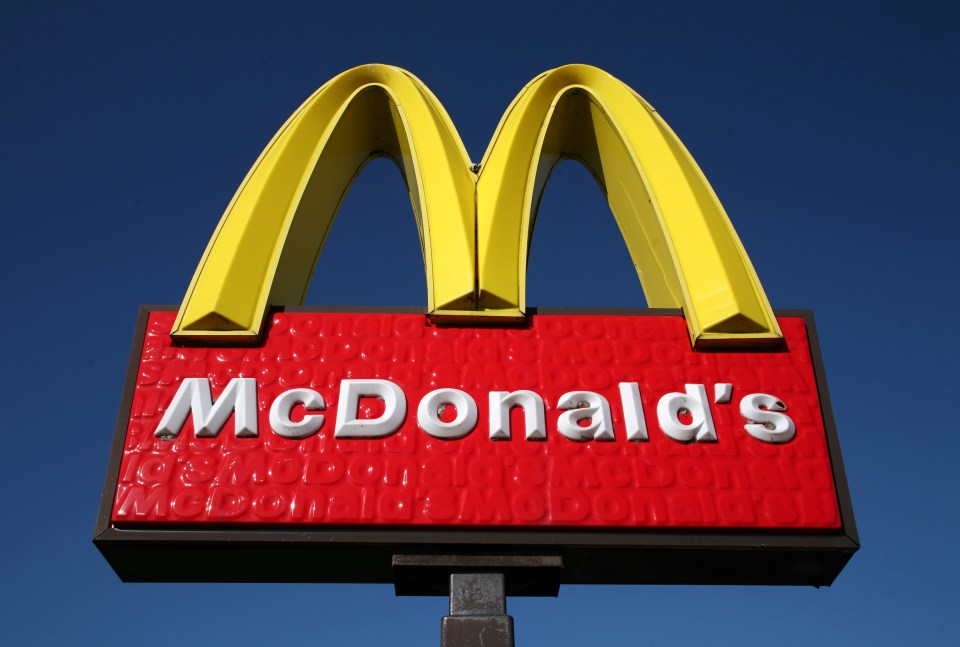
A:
618, 424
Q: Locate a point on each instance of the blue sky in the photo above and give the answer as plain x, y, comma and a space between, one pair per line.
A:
828, 130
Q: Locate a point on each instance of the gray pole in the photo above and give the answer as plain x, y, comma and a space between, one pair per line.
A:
478, 586
478, 612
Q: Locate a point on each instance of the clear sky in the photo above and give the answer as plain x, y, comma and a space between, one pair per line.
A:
828, 130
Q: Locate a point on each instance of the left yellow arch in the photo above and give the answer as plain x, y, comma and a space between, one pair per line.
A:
265, 247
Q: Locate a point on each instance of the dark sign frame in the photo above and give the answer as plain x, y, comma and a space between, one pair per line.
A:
365, 555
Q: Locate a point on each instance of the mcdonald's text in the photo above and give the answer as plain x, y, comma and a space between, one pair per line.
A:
683, 417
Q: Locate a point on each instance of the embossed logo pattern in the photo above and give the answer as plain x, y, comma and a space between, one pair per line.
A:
411, 477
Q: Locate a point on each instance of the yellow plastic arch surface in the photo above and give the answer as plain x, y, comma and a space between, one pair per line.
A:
686, 252
264, 250
682, 243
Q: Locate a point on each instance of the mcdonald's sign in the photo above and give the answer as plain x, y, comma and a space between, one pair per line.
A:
690, 442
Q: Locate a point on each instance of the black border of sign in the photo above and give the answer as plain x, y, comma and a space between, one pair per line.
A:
363, 555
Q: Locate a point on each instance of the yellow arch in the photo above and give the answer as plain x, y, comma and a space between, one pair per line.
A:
266, 245
475, 232
682, 243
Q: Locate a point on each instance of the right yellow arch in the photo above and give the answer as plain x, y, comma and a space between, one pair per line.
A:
682, 243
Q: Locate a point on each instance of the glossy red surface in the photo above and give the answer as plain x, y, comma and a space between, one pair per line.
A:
411, 478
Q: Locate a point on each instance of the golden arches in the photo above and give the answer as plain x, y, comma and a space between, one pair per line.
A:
686, 252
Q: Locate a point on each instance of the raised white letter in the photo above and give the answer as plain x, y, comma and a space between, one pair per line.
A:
633, 412
193, 398
584, 405
694, 404
394, 409
501, 402
432, 405
280, 413
766, 423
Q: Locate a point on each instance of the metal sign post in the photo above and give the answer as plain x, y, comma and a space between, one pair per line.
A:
478, 586
478, 612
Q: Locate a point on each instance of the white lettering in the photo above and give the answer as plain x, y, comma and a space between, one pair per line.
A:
193, 398
684, 417
633, 412
692, 404
280, 413
394, 409
585, 407
501, 402
434, 403
722, 393
765, 420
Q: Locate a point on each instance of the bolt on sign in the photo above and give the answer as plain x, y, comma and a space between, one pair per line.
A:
692, 442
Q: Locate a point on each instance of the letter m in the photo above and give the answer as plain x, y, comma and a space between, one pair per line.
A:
193, 399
